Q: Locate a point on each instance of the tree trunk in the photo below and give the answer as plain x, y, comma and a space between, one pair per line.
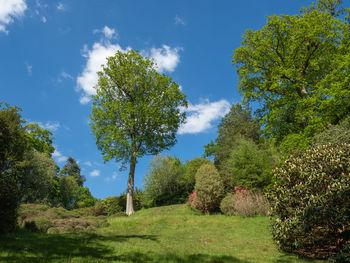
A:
129, 195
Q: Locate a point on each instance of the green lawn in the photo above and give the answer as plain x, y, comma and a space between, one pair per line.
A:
165, 234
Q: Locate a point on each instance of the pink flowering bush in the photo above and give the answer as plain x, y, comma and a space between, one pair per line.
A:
191, 197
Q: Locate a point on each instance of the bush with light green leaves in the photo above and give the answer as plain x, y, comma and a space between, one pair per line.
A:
311, 202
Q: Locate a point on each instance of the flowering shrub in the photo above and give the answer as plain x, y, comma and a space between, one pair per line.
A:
244, 203
191, 197
240, 190
310, 202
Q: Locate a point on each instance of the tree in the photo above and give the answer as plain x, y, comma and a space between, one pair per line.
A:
162, 182
13, 145
71, 168
237, 123
188, 178
40, 139
297, 67
136, 111
250, 166
40, 173
68, 189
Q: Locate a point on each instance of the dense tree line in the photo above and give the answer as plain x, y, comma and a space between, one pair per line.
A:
28, 174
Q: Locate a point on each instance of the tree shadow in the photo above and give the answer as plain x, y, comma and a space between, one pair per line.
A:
88, 247
33, 247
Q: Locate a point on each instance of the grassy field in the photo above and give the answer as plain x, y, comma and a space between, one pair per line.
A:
165, 234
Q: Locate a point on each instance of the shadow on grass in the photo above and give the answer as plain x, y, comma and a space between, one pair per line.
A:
87, 247
90, 247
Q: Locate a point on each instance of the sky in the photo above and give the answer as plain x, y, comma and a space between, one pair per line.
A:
51, 50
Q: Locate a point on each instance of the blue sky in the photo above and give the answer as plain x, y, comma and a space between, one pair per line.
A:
50, 52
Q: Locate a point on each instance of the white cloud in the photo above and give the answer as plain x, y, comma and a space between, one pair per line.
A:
95, 173
43, 19
109, 33
167, 58
95, 58
64, 75
88, 163
112, 178
179, 21
201, 116
10, 9
28, 67
49, 125
59, 156
60, 6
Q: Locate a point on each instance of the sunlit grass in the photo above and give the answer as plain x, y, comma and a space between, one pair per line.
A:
165, 234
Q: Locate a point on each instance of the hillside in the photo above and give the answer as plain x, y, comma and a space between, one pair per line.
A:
164, 234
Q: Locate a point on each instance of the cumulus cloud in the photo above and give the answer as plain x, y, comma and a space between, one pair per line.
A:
43, 19
95, 173
49, 125
59, 157
179, 21
95, 58
9, 10
167, 58
201, 116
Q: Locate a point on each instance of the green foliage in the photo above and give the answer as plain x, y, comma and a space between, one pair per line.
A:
67, 188
71, 168
83, 198
209, 189
227, 205
42, 219
162, 182
40, 139
39, 176
250, 166
136, 111
297, 67
237, 123
188, 178
13, 145
310, 201
335, 134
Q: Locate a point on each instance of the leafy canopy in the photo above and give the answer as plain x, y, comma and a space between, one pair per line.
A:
135, 110
297, 68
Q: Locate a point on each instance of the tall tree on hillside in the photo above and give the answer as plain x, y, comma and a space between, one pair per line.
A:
13, 145
297, 68
71, 168
136, 111
236, 124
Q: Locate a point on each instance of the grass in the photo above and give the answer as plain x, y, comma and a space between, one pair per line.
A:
164, 234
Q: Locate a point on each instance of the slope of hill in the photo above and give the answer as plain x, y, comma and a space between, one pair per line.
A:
163, 234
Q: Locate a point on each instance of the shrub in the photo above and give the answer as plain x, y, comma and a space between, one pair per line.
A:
40, 225
244, 203
209, 189
310, 201
227, 205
